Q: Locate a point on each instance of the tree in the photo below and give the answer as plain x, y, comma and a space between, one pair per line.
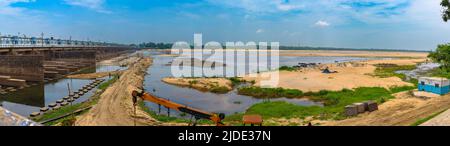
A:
442, 55
446, 10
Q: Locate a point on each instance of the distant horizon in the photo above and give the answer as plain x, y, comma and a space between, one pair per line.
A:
283, 47
396, 25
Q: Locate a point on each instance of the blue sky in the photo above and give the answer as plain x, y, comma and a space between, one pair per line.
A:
391, 24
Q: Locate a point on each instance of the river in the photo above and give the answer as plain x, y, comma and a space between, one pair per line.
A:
229, 103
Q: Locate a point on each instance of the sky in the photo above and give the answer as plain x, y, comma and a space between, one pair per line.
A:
382, 24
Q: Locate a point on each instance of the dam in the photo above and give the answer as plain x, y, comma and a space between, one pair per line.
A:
26, 60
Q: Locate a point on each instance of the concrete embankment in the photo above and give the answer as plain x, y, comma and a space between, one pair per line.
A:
8, 118
115, 107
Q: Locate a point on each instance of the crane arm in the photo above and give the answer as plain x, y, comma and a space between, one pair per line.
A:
199, 114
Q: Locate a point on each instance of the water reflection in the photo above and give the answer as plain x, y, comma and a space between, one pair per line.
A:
31, 99
229, 103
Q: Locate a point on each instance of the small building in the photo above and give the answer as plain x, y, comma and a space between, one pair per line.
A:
435, 85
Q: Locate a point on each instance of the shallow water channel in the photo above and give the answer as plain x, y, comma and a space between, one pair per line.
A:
31, 99
229, 103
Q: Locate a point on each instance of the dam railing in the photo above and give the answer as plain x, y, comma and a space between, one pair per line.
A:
27, 42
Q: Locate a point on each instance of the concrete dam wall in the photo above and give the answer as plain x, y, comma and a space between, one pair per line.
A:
17, 70
22, 67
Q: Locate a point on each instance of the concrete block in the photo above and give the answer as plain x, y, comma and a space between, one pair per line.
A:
35, 114
351, 110
44, 109
366, 105
372, 106
360, 107
52, 105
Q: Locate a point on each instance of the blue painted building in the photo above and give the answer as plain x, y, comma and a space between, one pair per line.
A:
435, 85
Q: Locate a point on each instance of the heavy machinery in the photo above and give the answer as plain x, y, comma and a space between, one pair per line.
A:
197, 114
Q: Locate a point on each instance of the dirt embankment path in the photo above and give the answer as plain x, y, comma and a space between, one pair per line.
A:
115, 107
442, 119
401, 111
94, 75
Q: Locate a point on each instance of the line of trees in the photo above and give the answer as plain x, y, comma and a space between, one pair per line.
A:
442, 53
153, 45
446, 10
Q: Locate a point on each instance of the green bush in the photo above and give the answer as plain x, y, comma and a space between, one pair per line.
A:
235, 81
219, 90
287, 68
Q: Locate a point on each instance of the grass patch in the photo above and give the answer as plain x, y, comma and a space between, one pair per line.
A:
106, 84
398, 89
235, 81
421, 121
334, 102
440, 72
259, 92
287, 68
219, 90
192, 82
86, 70
388, 70
57, 113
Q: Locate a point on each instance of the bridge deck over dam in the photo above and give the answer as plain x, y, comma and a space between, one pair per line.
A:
22, 64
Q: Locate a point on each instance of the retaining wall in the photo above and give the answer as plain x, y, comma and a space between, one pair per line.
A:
25, 67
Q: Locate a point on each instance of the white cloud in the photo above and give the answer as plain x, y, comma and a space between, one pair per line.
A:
260, 31
322, 23
363, 10
7, 9
96, 5
259, 6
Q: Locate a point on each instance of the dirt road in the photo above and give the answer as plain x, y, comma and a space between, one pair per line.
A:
402, 111
115, 107
442, 119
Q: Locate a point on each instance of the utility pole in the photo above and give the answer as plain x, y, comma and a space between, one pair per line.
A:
42, 39
72, 113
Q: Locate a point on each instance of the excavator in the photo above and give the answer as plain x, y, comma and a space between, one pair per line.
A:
196, 113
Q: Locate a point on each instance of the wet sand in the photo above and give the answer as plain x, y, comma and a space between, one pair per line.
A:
202, 84
385, 54
352, 75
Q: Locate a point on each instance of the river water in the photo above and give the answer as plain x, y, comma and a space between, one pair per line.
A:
229, 103
31, 99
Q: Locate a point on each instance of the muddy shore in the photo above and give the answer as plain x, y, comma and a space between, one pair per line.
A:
115, 107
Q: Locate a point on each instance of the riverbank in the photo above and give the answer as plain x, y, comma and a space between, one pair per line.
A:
348, 76
345, 53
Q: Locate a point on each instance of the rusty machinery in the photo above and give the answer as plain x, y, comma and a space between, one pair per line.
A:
197, 114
